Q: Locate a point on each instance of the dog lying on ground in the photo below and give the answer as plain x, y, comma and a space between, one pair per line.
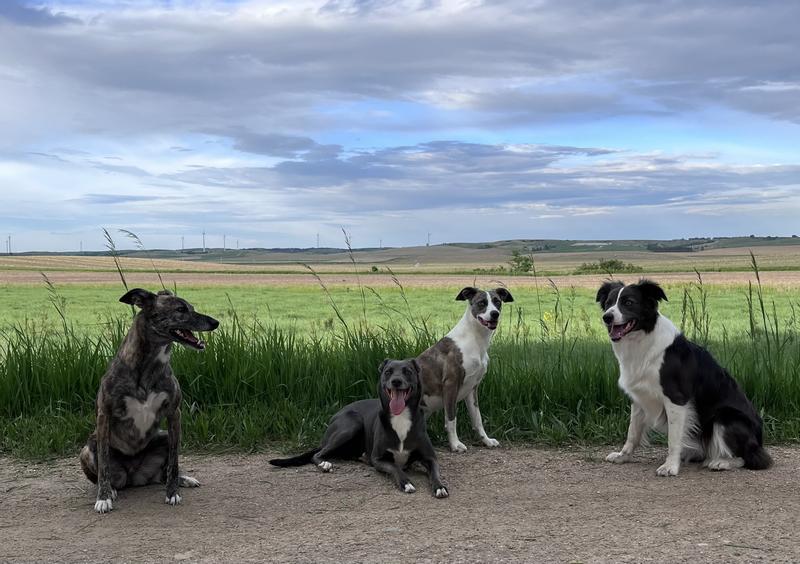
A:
390, 431
675, 383
136, 393
453, 368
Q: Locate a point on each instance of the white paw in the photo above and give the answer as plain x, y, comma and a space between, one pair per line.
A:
103, 505
618, 457
441, 493
458, 446
725, 464
189, 482
174, 500
325, 466
490, 442
668, 469
409, 488
113, 494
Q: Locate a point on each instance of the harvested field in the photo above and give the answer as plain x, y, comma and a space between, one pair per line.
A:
785, 279
417, 260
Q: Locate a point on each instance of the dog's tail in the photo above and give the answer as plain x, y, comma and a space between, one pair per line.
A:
298, 460
757, 459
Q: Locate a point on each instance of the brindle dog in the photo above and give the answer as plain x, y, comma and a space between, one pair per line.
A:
136, 393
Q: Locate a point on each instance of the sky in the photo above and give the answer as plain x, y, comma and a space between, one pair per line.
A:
269, 122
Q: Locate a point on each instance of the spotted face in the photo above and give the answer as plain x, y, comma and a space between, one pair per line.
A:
399, 385
629, 308
485, 306
171, 318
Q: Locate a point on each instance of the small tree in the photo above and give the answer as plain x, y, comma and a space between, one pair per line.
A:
520, 263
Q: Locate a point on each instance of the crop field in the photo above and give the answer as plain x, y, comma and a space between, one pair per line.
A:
290, 353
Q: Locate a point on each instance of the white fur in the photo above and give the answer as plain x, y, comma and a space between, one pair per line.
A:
401, 425
441, 493
409, 488
490, 307
614, 310
720, 456
144, 413
400, 456
103, 505
189, 482
165, 354
640, 357
174, 500
325, 466
452, 437
473, 340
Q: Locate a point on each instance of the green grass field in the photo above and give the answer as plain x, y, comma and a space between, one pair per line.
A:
284, 359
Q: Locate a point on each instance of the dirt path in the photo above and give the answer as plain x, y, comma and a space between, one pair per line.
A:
785, 279
518, 504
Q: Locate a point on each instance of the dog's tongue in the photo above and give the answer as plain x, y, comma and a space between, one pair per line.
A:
619, 331
397, 402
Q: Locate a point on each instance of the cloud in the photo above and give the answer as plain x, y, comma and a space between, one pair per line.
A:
17, 13
269, 117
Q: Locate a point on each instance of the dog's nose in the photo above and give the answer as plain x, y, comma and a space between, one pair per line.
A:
608, 318
214, 323
396, 382
495, 314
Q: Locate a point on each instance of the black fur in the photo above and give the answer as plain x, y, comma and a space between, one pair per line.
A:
690, 373
365, 428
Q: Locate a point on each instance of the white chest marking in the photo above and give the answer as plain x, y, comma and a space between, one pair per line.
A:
401, 425
164, 355
144, 413
473, 340
640, 358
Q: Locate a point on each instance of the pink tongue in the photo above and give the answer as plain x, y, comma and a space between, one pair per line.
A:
618, 331
397, 403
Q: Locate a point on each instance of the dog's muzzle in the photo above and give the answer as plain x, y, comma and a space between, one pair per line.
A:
616, 332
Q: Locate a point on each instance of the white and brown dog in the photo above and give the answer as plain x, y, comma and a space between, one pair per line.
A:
453, 368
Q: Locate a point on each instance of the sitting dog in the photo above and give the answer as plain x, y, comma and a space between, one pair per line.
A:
390, 431
674, 381
136, 393
453, 368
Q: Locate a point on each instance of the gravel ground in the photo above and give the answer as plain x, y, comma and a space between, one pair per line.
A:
507, 505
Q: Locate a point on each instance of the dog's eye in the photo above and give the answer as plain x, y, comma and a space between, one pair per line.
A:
483, 303
628, 302
183, 309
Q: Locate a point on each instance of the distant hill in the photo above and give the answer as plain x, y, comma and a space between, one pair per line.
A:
445, 253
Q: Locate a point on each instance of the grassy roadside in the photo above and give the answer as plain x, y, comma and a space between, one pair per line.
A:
552, 379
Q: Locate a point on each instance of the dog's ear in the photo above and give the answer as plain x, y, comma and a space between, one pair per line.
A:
383, 365
139, 297
652, 290
466, 294
415, 366
504, 295
606, 289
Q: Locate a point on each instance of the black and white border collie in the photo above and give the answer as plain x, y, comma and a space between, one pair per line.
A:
676, 384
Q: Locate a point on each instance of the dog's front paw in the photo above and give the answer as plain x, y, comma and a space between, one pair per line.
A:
408, 487
189, 482
668, 469
490, 442
440, 492
618, 457
325, 466
173, 499
103, 505
458, 446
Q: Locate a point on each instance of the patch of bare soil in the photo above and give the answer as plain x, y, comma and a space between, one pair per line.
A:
787, 279
507, 505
